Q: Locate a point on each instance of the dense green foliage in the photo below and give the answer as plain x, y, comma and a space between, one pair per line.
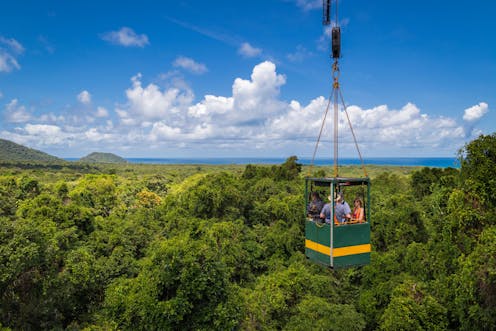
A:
216, 248
10, 151
102, 158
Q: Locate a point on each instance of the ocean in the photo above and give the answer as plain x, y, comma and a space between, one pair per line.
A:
441, 162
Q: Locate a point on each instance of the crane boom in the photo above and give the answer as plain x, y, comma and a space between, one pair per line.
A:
326, 17
335, 31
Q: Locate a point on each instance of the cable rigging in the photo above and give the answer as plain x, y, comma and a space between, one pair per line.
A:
334, 236
336, 94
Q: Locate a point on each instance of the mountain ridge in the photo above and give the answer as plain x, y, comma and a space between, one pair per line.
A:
11, 151
98, 157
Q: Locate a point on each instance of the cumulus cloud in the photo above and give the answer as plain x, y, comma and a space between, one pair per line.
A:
252, 117
101, 112
379, 130
45, 134
42, 129
248, 50
190, 65
252, 101
161, 130
51, 118
9, 50
475, 112
152, 103
211, 104
257, 98
100, 135
298, 121
84, 97
170, 114
125, 37
16, 113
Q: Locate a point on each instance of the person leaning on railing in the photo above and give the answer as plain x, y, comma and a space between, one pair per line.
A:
358, 215
315, 206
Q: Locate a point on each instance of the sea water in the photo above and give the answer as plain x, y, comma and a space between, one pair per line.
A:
441, 162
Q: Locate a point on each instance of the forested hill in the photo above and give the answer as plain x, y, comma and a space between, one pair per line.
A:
12, 152
167, 247
102, 158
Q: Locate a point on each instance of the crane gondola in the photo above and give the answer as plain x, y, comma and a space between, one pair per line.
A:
345, 242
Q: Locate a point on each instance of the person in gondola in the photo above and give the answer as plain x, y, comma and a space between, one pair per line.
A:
315, 206
325, 213
358, 211
342, 209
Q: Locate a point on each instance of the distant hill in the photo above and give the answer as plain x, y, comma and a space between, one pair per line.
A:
10, 151
102, 158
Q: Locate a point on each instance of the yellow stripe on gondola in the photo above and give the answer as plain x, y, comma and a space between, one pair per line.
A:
351, 250
337, 252
318, 247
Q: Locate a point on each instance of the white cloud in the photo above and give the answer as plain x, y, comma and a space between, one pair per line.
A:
84, 97
475, 112
51, 118
251, 119
42, 129
299, 55
254, 115
125, 37
170, 114
252, 101
258, 97
190, 65
211, 104
248, 50
9, 50
309, 4
101, 112
8, 62
161, 130
16, 113
99, 135
298, 121
377, 128
151, 102
45, 134
13, 44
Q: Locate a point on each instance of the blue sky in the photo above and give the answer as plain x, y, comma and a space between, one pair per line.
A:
230, 78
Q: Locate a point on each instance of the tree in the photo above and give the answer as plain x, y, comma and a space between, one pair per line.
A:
147, 199
289, 170
474, 286
182, 285
238, 249
413, 308
8, 194
276, 296
31, 255
28, 187
96, 192
478, 166
424, 181
315, 313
